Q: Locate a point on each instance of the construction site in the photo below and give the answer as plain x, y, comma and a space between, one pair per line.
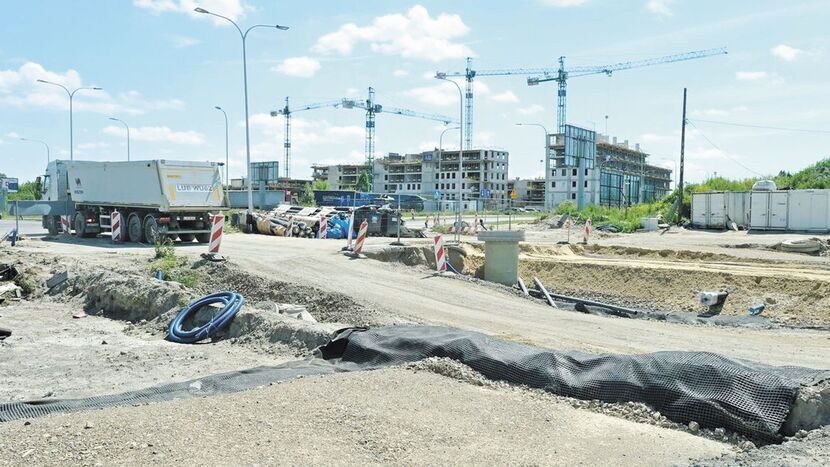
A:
437, 305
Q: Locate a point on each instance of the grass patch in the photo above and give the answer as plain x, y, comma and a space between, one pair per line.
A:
173, 268
625, 219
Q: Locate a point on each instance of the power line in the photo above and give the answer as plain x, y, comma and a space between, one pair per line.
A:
722, 151
747, 125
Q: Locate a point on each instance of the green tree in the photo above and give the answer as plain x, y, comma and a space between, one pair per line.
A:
363, 183
307, 199
321, 185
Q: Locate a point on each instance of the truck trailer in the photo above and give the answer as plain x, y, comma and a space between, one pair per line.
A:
157, 199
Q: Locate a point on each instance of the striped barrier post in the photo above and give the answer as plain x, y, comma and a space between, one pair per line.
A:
440, 256
290, 226
216, 234
65, 225
361, 237
115, 226
323, 227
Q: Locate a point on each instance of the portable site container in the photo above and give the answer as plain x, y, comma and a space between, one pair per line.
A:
714, 210
768, 210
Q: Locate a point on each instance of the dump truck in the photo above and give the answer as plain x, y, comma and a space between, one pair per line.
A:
157, 199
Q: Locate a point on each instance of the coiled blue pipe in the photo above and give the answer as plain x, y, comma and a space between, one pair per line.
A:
232, 303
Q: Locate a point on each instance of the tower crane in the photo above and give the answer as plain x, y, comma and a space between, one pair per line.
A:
553, 74
372, 108
469, 74
561, 75
287, 112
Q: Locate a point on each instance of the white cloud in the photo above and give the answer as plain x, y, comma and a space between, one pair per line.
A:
563, 3
713, 112
181, 42
301, 67
441, 95
19, 88
659, 7
305, 132
12, 135
750, 75
233, 9
507, 97
530, 110
157, 133
785, 52
412, 35
400, 73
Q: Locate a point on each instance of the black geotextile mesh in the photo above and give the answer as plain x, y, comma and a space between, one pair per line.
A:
749, 398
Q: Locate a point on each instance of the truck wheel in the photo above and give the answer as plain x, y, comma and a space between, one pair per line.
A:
203, 237
186, 238
134, 229
52, 225
151, 230
80, 225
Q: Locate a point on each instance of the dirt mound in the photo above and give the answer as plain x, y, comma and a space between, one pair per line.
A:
327, 307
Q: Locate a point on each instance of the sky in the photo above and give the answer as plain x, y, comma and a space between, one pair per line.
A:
163, 68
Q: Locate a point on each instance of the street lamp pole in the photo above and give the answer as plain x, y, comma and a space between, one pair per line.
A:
440, 156
547, 164
48, 152
244, 36
227, 164
128, 134
71, 95
443, 76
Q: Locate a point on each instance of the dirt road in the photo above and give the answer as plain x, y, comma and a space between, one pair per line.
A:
420, 296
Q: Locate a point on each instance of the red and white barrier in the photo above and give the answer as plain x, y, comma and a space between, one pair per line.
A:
587, 230
65, 225
361, 237
323, 227
216, 233
440, 254
116, 226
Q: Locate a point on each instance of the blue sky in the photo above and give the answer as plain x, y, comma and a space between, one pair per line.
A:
164, 68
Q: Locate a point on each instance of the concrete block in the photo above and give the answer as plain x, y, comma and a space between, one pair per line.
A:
501, 255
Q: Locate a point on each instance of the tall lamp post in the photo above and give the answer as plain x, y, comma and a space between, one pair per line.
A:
244, 36
547, 163
128, 134
227, 164
71, 95
440, 155
443, 76
48, 152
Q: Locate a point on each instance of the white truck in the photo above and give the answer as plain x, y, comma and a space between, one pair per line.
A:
157, 199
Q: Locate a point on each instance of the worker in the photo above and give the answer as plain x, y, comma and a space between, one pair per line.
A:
412, 213
481, 224
426, 223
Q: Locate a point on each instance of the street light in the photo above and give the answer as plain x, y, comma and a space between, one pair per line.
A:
48, 152
443, 76
440, 155
227, 180
244, 36
71, 95
547, 163
128, 134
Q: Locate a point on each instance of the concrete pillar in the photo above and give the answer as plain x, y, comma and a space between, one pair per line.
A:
501, 255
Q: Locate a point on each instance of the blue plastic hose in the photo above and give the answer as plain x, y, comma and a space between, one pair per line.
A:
232, 303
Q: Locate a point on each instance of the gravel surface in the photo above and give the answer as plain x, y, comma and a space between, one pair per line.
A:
806, 448
394, 416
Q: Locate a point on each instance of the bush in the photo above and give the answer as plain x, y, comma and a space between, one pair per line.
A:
173, 268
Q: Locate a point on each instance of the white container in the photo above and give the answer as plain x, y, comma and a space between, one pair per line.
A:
716, 210
808, 210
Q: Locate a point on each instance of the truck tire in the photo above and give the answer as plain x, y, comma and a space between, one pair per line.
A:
80, 225
203, 237
52, 224
151, 230
187, 238
135, 231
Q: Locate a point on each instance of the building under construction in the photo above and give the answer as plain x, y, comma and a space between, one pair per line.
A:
614, 173
433, 175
